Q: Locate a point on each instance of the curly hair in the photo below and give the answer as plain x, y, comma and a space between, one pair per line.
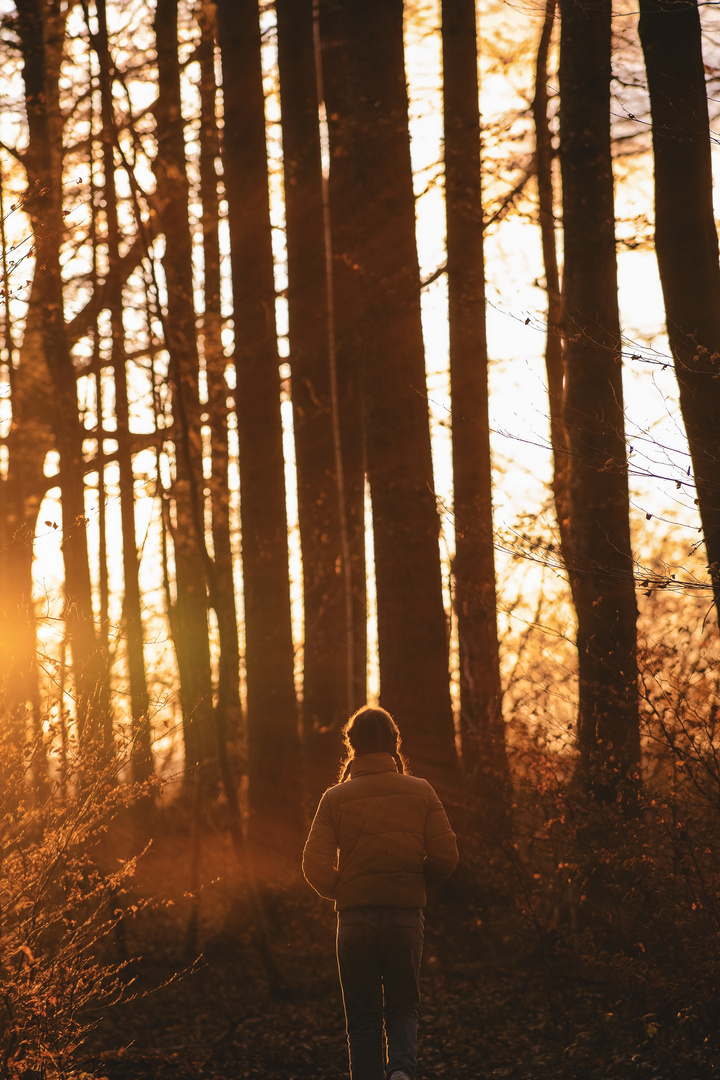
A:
371, 730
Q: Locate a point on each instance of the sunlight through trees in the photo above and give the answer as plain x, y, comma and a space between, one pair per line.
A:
219, 316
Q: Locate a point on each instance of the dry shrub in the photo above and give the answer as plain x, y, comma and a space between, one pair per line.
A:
620, 904
60, 908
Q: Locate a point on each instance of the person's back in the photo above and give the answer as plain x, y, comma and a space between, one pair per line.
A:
389, 835
378, 838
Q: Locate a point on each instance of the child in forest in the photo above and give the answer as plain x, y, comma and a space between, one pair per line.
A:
379, 837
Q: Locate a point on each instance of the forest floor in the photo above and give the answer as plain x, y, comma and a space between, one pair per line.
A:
498, 1002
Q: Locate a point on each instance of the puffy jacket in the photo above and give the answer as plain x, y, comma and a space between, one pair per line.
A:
379, 838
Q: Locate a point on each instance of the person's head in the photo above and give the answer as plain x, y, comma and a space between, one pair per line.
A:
371, 730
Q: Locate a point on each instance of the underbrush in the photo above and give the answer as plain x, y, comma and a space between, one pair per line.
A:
63, 906
582, 943
622, 902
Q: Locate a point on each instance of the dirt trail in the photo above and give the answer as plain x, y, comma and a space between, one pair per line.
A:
496, 1004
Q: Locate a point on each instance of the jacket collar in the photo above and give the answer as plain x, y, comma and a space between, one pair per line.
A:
367, 764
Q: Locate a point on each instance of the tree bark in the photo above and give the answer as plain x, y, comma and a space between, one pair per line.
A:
553, 343
132, 607
686, 240
412, 628
272, 717
346, 329
602, 566
482, 730
222, 594
40, 28
328, 646
190, 620
21, 492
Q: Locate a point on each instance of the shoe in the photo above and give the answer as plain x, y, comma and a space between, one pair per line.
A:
399, 1075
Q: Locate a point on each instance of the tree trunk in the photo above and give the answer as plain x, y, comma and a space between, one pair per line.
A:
132, 608
412, 627
328, 645
686, 240
41, 28
21, 492
346, 330
272, 718
482, 730
553, 342
600, 535
188, 529
222, 594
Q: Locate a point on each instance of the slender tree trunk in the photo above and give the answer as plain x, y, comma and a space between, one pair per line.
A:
188, 529
553, 343
602, 558
328, 661
132, 607
41, 29
222, 596
96, 366
686, 240
346, 331
482, 730
21, 493
412, 627
272, 718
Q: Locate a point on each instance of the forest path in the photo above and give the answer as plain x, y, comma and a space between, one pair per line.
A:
214, 1024
479, 1021
497, 1001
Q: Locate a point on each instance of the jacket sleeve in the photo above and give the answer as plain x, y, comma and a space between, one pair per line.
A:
319, 861
441, 853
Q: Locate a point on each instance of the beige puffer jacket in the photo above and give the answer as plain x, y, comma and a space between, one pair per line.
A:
379, 838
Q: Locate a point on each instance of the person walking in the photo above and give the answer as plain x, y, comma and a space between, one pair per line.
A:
378, 839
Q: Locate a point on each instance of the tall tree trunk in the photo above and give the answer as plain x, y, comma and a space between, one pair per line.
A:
272, 718
132, 608
222, 594
482, 730
41, 28
412, 627
686, 240
328, 646
346, 330
553, 342
191, 638
602, 558
21, 492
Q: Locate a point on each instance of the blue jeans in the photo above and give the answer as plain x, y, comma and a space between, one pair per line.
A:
379, 951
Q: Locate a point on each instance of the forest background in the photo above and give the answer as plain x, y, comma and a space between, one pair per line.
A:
359, 351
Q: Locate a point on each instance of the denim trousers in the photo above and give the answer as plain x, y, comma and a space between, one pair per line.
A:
378, 952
